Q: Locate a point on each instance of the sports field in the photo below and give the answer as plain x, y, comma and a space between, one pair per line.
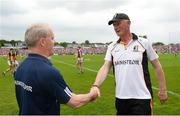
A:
81, 83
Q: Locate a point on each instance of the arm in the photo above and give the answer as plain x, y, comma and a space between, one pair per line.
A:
101, 76
102, 73
79, 100
161, 80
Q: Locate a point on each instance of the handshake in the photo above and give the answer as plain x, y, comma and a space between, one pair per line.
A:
94, 93
78, 100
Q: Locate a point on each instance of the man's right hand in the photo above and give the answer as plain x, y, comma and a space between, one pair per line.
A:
95, 92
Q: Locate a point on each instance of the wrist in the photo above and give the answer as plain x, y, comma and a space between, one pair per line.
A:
94, 85
162, 90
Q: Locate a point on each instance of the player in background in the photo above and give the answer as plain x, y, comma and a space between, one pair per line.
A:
10, 63
14, 60
79, 57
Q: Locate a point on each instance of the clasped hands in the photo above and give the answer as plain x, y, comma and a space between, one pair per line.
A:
94, 93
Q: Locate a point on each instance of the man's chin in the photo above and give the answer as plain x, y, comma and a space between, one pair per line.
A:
51, 54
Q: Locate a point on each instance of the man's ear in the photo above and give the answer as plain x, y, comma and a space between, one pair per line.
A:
42, 42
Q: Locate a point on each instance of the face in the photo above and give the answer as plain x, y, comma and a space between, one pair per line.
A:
49, 44
121, 27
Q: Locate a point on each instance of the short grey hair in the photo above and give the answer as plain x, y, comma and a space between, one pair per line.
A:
35, 32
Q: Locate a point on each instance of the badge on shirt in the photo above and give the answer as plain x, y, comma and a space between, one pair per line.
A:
136, 48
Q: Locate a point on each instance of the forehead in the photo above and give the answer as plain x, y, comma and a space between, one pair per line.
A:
119, 22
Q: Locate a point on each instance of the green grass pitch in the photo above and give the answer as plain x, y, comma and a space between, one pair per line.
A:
81, 83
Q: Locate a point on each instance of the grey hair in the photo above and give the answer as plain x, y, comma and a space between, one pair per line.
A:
35, 32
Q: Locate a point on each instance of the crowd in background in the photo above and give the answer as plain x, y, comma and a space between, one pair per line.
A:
71, 51
59, 51
171, 49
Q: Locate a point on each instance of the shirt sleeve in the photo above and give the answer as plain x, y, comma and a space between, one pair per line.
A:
62, 91
151, 52
108, 56
58, 88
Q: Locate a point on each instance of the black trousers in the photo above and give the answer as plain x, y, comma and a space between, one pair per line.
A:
133, 106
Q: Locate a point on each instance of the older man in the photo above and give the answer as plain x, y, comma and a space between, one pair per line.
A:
129, 57
40, 88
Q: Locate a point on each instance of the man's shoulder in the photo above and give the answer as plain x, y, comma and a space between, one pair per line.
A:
35, 65
144, 42
140, 39
112, 44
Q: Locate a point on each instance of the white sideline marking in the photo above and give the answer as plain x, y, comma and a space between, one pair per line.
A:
155, 88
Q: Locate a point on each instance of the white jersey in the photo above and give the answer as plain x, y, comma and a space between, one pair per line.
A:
131, 68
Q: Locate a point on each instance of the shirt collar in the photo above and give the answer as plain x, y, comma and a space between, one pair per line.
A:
134, 37
33, 55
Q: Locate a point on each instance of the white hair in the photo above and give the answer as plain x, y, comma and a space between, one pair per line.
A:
35, 32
